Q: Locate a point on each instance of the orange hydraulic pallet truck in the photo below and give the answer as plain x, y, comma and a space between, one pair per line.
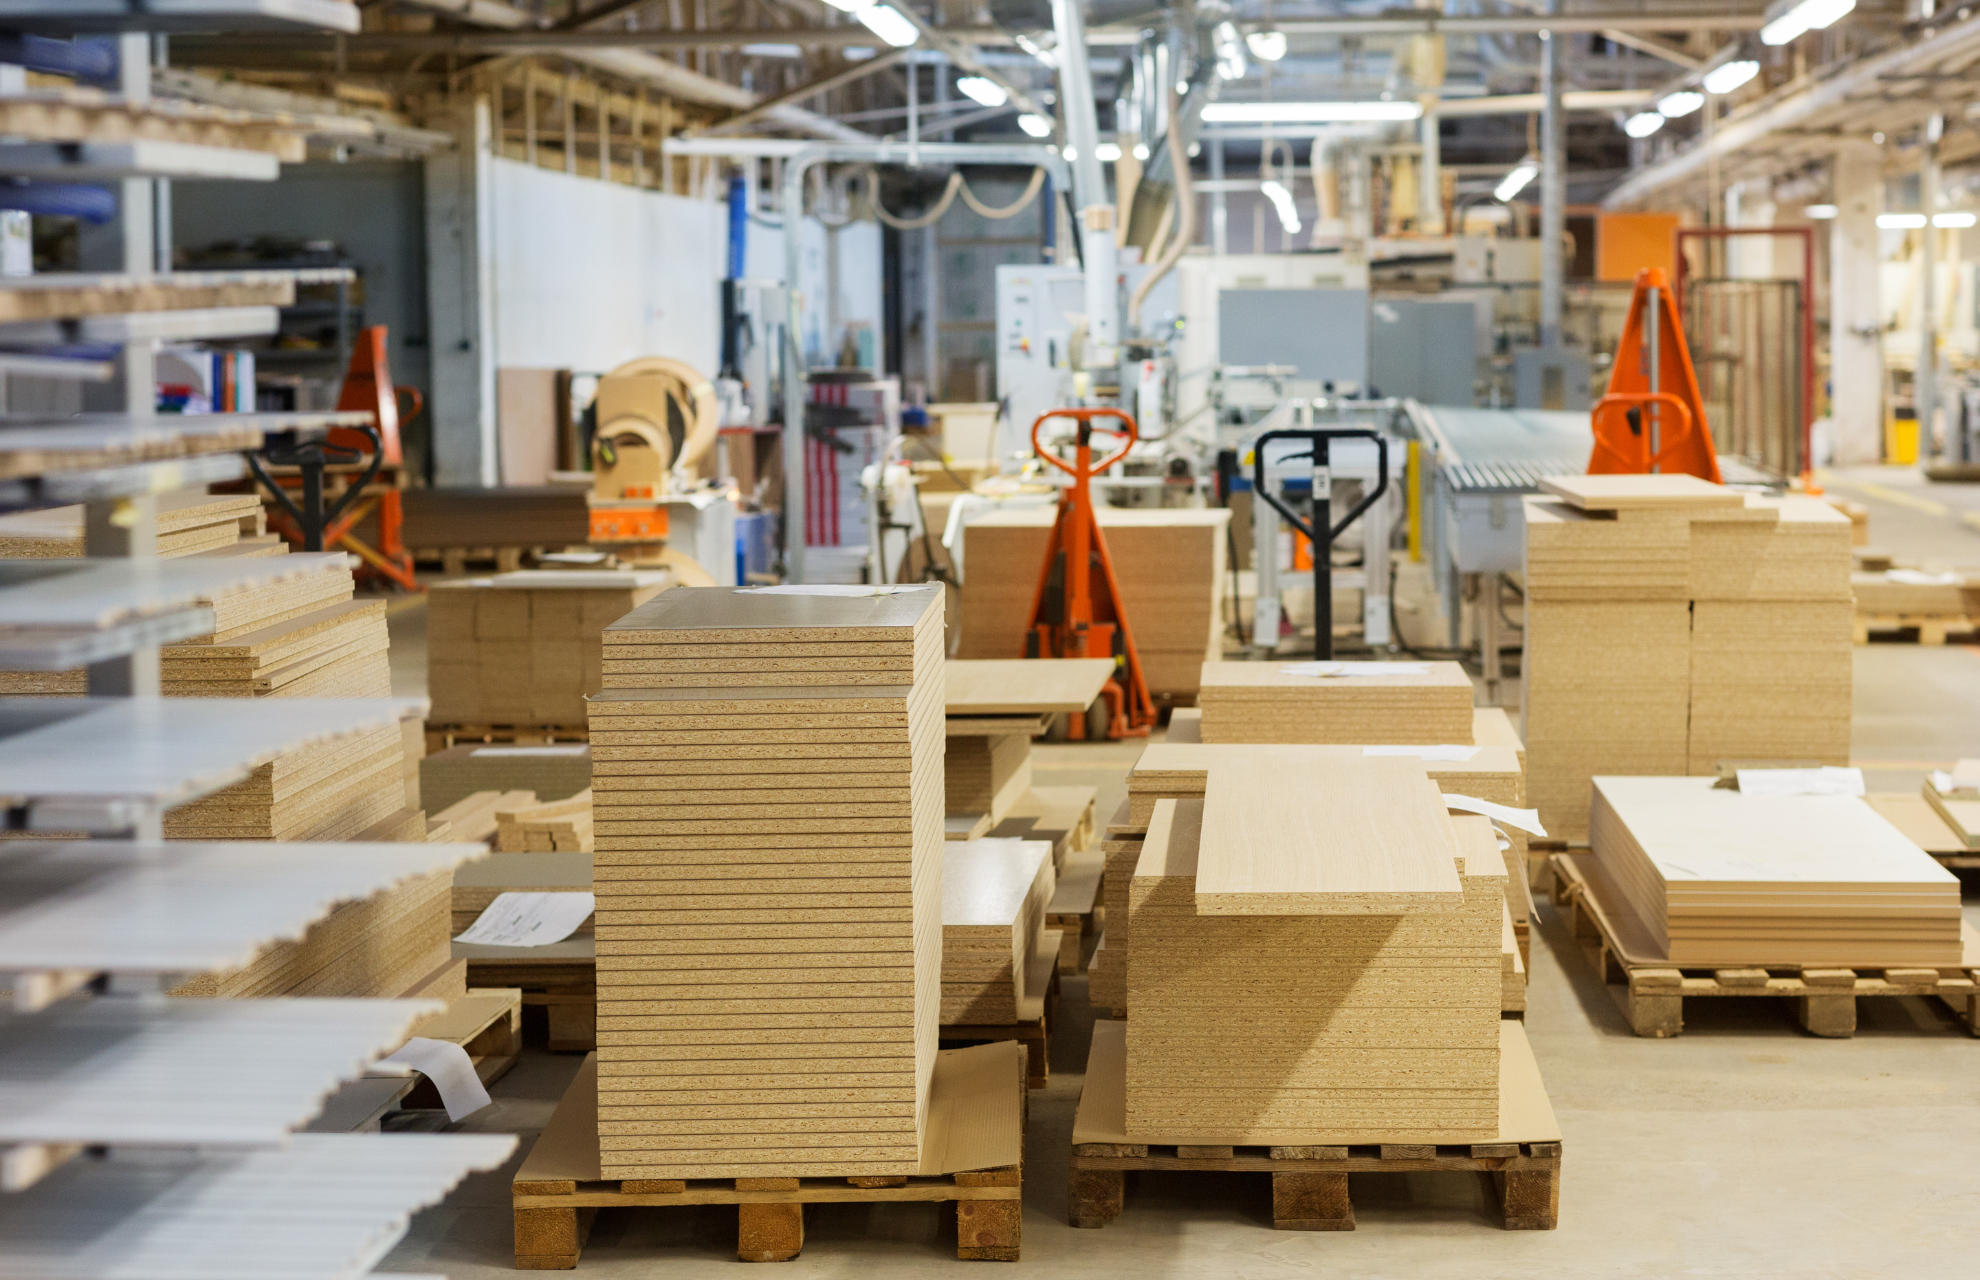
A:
1321, 530
1072, 615
1652, 419
323, 520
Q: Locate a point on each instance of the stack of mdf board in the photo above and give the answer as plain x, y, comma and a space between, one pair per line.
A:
524, 648
1276, 702
189, 522
1490, 727
1717, 877
767, 788
1180, 771
553, 771
994, 894
1911, 591
1672, 624
386, 945
1170, 564
1317, 960
994, 709
551, 826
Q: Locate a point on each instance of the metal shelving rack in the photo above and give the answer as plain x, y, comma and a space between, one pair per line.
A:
142, 1134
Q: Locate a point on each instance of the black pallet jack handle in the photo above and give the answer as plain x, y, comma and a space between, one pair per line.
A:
309, 451
1321, 530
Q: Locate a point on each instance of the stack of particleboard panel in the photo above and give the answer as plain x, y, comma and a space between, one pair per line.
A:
995, 708
1426, 703
554, 771
994, 894
1672, 624
1718, 877
1106, 979
1490, 727
767, 787
1771, 635
389, 944
1180, 771
1170, 564
189, 522
524, 648
549, 826
1316, 960
471, 819
1888, 597
477, 885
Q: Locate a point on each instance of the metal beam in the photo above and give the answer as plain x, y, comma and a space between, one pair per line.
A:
1582, 22
811, 89
1654, 47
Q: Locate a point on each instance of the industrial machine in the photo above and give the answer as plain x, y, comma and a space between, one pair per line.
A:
1077, 611
656, 418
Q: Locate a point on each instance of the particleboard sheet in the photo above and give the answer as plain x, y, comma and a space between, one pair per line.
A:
994, 896
1024, 686
1264, 702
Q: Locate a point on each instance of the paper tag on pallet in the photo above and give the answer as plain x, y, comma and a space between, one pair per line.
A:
448, 1066
1527, 820
1830, 780
1445, 751
1349, 669
529, 919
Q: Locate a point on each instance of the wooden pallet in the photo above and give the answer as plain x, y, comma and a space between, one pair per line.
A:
554, 1202
1651, 994
564, 986
1310, 1184
459, 562
440, 736
1918, 628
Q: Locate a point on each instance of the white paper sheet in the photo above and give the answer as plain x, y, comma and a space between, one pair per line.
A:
1527, 820
566, 752
530, 919
1919, 578
1829, 780
450, 1069
1444, 751
1350, 669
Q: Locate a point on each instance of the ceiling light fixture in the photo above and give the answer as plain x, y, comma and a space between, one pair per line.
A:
1309, 112
1900, 221
1266, 46
1728, 76
1107, 152
1230, 51
1820, 212
1036, 126
1795, 18
984, 90
1643, 124
1682, 103
1953, 221
889, 23
1515, 182
1283, 202
1038, 51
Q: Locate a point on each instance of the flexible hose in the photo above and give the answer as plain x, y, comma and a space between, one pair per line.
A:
1185, 196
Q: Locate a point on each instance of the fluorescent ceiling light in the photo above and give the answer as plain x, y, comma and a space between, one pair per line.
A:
984, 90
1036, 126
1643, 124
1283, 202
1230, 52
1820, 212
1309, 112
851, 6
1037, 51
1070, 155
858, 53
1108, 152
1267, 46
1682, 103
1954, 220
1141, 151
1803, 16
887, 22
773, 51
1728, 76
1515, 182
1900, 221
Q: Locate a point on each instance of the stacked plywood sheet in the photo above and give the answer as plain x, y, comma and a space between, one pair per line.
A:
1424, 704
995, 708
554, 771
1718, 877
767, 786
994, 894
1673, 624
1317, 960
550, 826
524, 648
1170, 564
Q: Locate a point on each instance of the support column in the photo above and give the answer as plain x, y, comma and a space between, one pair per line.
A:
460, 247
1925, 374
1553, 185
1856, 355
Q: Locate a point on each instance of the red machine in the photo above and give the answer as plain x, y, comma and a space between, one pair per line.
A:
1653, 419
1077, 613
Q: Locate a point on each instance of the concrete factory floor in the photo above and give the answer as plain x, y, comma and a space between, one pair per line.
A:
1742, 1148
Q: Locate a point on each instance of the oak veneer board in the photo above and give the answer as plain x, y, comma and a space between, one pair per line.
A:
1322, 1029
769, 928
1264, 702
994, 895
1024, 686
1490, 727
1640, 493
1717, 877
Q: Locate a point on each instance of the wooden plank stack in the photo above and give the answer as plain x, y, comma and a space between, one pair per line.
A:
550, 826
1673, 624
553, 771
995, 708
1717, 877
1170, 563
767, 787
189, 522
524, 648
994, 894
1277, 702
1316, 960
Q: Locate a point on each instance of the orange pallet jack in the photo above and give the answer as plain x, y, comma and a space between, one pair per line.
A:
1652, 419
356, 488
1073, 615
